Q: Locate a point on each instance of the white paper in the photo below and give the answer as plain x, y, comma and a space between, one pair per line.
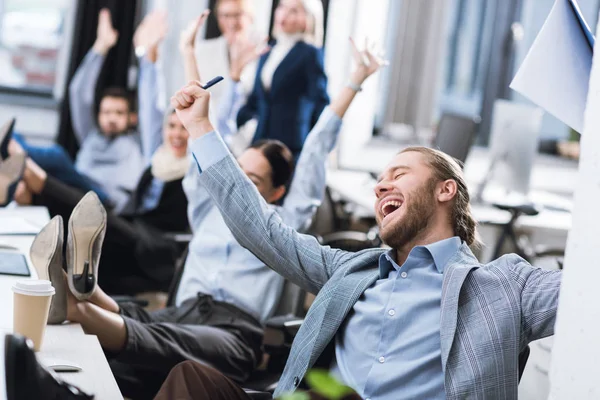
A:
16, 225
556, 71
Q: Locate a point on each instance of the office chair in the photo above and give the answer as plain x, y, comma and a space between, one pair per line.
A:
455, 135
182, 240
280, 331
330, 224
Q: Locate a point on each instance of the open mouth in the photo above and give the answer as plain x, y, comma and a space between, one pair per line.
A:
390, 206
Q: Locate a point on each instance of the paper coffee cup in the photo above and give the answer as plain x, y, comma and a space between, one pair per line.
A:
31, 307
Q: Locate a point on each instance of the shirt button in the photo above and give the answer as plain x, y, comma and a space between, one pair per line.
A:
392, 312
404, 274
382, 359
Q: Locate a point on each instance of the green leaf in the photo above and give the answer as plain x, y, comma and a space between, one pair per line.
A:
295, 396
324, 384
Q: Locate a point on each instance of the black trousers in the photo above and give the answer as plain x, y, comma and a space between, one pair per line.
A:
203, 330
135, 257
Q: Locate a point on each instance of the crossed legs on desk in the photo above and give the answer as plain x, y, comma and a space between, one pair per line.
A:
144, 346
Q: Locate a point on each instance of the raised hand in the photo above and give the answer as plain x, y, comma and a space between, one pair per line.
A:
366, 60
106, 35
151, 31
242, 52
191, 104
188, 35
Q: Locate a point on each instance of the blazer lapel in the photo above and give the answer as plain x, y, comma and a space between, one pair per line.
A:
345, 295
286, 67
258, 80
457, 270
143, 184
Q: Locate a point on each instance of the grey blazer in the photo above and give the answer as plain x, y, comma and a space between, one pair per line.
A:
489, 312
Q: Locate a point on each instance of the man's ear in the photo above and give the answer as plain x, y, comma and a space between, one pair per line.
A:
277, 194
446, 190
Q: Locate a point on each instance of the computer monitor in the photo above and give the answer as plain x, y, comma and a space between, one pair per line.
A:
513, 145
455, 135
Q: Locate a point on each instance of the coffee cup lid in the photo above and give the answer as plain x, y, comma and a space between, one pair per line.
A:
33, 287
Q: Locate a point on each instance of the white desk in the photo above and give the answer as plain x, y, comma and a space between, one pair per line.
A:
69, 342
66, 342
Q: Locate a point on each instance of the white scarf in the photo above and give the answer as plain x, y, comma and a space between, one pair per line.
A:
166, 166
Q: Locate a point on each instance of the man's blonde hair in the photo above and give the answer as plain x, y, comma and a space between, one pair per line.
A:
445, 167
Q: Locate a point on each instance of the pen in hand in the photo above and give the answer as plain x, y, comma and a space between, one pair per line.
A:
212, 82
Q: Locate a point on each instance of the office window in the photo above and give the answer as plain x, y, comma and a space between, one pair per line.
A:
32, 36
468, 35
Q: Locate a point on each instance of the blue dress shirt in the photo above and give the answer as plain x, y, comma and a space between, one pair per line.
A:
217, 264
390, 345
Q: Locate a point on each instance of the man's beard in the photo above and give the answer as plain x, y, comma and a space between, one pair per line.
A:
114, 131
416, 218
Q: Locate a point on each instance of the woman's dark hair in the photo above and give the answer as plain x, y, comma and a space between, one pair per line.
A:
280, 159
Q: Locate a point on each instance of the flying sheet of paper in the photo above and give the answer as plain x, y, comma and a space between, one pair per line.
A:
556, 71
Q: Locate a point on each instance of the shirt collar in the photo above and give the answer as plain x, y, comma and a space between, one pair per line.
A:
440, 251
443, 250
288, 40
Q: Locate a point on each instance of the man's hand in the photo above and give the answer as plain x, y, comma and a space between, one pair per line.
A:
367, 62
242, 52
188, 35
191, 104
106, 35
151, 31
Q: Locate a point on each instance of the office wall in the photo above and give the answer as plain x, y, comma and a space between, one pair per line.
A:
417, 53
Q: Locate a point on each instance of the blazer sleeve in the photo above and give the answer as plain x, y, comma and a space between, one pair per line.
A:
317, 89
250, 109
539, 299
256, 225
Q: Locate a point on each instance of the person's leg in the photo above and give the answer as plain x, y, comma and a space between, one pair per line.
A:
55, 161
152, 350
108, 326
61, 198
195, 381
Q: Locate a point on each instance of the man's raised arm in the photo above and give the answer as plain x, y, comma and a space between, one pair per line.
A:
83, 85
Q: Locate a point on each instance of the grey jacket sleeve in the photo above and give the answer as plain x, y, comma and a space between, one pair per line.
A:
256, 225
539, 299
81, 94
